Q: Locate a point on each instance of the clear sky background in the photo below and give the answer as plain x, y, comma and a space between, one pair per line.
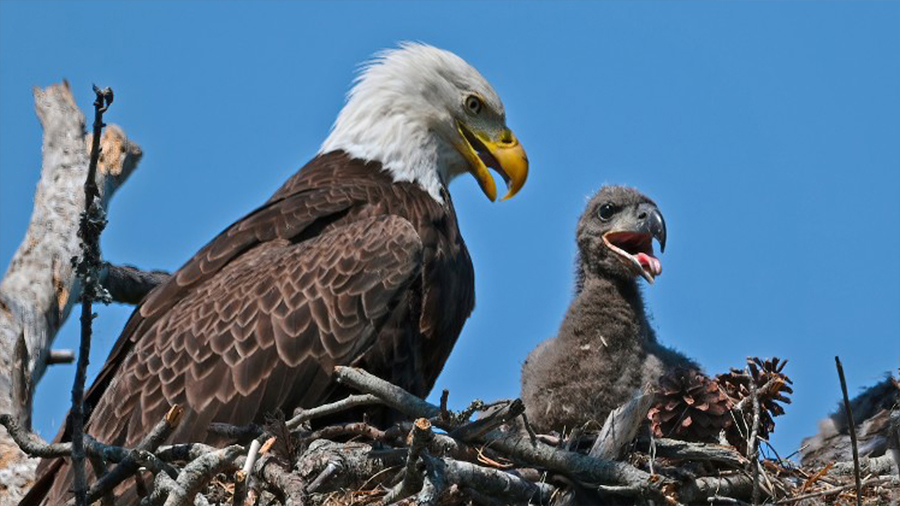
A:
768, 133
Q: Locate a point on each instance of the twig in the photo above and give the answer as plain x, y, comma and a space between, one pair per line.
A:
60, 357
752, 450
574, 436
684, 450
443, 445
387, 393
34, 446
894, 437
433, 484
198, 473
766, 389
730, 485
852, 427
494, 482
480, 427
183, 452
40, 288
875, 480
241, 477
718, 499
163, 484
814, 478
129, 465
579, 466
333, 467
445, 413
289, 485
128, 284
353, 401
529, 429
241, 432
99, 468
874, 465
30, 443
92, 223
352, 428
419, 437
621, 427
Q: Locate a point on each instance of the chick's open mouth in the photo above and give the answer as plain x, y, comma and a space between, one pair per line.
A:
636, 249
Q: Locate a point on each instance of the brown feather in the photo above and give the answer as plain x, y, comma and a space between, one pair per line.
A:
341, 266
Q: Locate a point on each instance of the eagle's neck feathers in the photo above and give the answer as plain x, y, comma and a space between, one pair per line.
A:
406, 149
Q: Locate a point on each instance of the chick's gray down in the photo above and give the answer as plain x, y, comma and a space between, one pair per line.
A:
605, 349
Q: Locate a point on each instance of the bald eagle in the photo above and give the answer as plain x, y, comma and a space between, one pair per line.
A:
605, 348
356, 260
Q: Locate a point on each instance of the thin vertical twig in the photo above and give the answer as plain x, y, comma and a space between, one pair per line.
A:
752, 446
93, 220
242, 477
852, 424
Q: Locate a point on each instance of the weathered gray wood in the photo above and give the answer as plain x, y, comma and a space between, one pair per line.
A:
621, 427
674, 449
39, 287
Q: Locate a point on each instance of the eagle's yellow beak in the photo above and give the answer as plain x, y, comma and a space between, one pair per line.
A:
505, 155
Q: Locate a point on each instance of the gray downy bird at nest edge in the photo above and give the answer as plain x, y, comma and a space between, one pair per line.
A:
605, 349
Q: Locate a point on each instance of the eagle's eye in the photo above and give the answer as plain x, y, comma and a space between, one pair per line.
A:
606, 211
473, 104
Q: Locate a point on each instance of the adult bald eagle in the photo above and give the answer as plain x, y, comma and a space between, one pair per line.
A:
356, 260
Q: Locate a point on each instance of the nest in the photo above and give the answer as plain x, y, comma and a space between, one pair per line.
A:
446, 458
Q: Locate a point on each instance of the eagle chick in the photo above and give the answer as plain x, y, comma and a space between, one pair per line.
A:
605, 348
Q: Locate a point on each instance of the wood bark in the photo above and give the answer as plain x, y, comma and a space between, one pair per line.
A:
39, 287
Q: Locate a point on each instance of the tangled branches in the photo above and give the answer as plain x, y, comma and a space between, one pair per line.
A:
440, 458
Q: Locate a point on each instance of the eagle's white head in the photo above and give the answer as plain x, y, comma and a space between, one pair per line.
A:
427, 116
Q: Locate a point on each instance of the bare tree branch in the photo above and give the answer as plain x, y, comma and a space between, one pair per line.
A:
684, 450
91, 225
419, 437
40, 287
852, 427
621, 427
579, 466
128, 284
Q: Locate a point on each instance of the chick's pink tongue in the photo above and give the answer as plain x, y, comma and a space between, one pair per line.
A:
650, 263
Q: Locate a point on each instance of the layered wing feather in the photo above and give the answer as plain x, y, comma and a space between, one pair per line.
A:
341, 266
265, 328
256, 324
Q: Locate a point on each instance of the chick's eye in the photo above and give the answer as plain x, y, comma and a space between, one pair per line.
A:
606, 211
473, 104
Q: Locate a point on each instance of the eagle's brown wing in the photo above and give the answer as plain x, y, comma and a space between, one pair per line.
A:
266, 328
258, 317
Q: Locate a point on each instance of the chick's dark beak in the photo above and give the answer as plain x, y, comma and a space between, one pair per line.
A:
651, 221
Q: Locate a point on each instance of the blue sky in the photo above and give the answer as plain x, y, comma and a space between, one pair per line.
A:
766, 132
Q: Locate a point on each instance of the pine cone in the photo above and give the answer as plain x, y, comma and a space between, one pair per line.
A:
737, 385
690, 406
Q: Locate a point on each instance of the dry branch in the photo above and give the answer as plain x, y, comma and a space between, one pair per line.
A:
91, 225
621, 427
852, 428
128, 284
580, 467
130, 464
39, 288
419, 437
685, 450
495, 482
429, 467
